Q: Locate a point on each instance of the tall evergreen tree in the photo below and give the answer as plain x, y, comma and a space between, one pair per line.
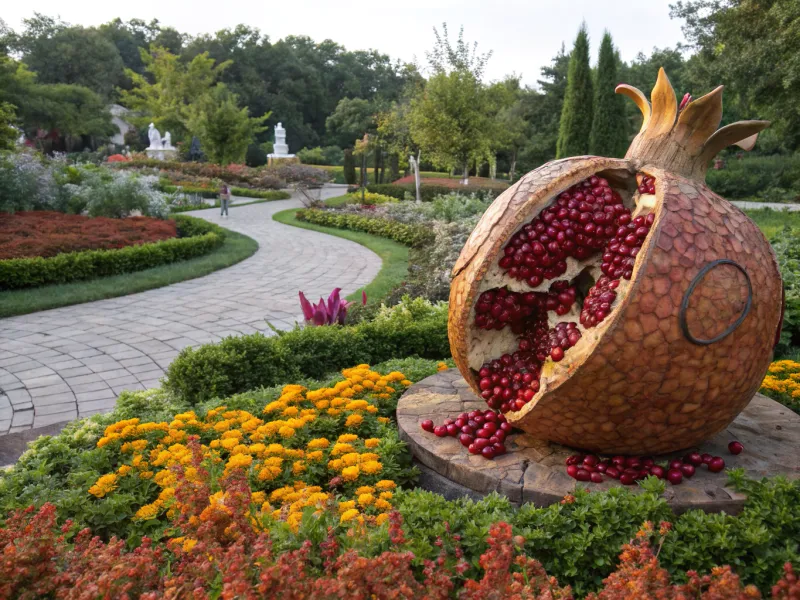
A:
609, 126
576, 115
349, 167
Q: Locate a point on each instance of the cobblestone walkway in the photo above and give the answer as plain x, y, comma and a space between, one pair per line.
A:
61, 364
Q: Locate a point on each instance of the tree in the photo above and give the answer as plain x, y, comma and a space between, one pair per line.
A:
576, 114
394, 128
8, 134
349, 167
751, 47
449, 121
609, 126
225, 130
352, 118
445, 58
175, 87
60, 53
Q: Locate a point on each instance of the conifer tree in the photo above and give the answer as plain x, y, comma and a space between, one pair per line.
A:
349, 167
609, 127
576, 115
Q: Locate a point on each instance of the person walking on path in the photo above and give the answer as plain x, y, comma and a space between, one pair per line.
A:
224, 200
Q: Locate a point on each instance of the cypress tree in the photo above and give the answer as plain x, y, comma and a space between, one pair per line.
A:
576, 114
349, 167
609, 127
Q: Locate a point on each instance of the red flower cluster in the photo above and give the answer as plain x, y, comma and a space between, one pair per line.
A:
221, 554
114, 158
47, 233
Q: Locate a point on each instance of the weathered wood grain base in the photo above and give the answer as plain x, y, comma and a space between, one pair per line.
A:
534, 471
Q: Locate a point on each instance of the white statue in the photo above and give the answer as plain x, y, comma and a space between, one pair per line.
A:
280, 149
155, 137
167, 141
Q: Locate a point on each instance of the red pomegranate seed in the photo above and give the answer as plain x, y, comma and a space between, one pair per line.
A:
427, 425
716, 464
596, 478
735, 447
688, 470
674, 476
694, 458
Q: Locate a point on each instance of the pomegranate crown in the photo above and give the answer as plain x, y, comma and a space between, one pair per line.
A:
684, 140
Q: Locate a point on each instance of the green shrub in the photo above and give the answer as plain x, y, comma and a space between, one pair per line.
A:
389, 189
787, 250
264, 194
429, 192
410, 235
194, 191
195, 238
255, 156
757, 176
329, 155
238, 364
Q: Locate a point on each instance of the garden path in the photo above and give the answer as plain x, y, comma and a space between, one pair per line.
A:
58, 365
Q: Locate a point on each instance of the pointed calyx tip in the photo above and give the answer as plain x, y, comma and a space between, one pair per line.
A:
684, 138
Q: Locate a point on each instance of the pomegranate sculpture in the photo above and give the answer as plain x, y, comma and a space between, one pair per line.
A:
618, 305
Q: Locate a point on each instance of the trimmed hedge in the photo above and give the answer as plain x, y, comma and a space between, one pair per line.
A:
774, 178
238, 364
195, 238
429, 192
410, 235
265, 194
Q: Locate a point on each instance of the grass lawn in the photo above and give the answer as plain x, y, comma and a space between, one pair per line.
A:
236, 248
772, 221
394, 256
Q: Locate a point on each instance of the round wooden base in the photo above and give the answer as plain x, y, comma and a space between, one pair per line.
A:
534, 470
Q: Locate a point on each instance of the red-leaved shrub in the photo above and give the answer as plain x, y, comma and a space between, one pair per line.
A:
47, 233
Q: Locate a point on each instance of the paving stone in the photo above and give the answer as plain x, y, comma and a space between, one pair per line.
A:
53, 399
100, 348
22, 417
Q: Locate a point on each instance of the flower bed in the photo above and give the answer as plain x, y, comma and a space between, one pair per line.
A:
295, 492
48, 233
782, 383
410, 235
455, 184
195, 238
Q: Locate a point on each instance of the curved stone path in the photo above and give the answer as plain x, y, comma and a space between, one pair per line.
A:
61, 364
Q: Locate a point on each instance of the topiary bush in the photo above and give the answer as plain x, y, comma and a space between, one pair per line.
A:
776, 178
410, 235
237, 364
196, 237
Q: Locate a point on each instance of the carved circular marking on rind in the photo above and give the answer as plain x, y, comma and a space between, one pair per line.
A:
533, 469
688, 295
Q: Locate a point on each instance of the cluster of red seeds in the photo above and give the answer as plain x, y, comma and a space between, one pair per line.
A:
598, 301
499, 307
647, 185
558, 340
511, 381
577, 225
620, 254
630, 469
480, 431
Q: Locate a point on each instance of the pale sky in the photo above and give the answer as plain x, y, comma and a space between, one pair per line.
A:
524, 35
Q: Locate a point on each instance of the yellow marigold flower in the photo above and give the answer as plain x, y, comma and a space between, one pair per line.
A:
315, 456
338, 402
104, 485
188, 545
348, 515
191, 474
389, 389
223, 425
257, 449
357, 405
166, 478
366, 499
346, 438
229, 443
384, 420
251, 424
372, 442
124, 470
365, 489
386, 495
146, 474
294, 520
148, 511
290, 411
240, 449
322, 404
350, 473
368, 456
286, 432
273, 461
395, 376
239, 461
275, 449
274, 407
166, 495
341, 448
336, 465
318, 443
334, 412
350, 459
381, 518
214, 444
103, 441
406, 382
371, 467
258, 497
348, 505
348, 393
386, 484
354, 421
269, 473
382, 504
383, 396
232, 434
298, 467
368, 385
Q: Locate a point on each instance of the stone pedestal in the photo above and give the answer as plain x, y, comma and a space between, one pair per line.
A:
162, 153
534, 470
276, 159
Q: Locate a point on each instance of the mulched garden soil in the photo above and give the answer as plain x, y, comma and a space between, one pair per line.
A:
47, 233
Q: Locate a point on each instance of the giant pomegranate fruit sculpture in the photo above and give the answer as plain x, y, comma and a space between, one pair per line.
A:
619, 305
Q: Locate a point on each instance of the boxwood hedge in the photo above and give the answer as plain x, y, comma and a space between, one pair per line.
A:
195, 238
410, 235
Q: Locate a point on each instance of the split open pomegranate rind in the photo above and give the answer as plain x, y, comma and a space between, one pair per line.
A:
643, 379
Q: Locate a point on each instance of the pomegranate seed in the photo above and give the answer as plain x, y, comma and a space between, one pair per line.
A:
658, 471
488, 452
674, 476
613, 472
440, 431
452, 430
572, 470
735, 447
675, 464
707, 458
626, 479
716, 464
583, 475
694, 458
427, 425
687, 470
596, 478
